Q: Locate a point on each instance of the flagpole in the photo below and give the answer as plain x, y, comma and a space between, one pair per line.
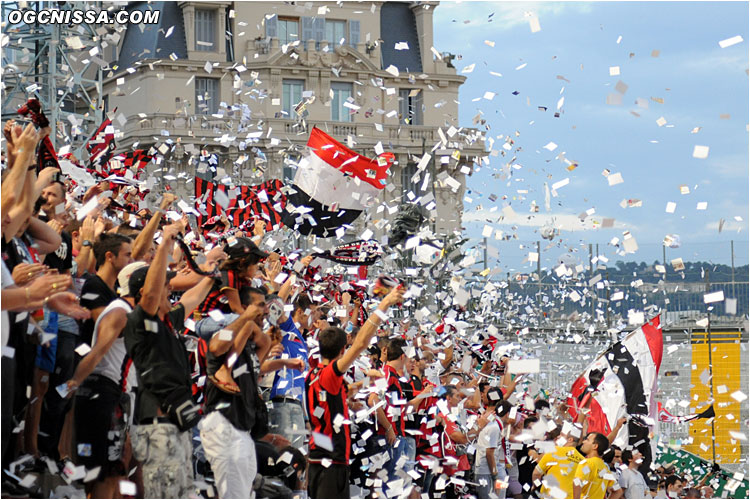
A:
710, 370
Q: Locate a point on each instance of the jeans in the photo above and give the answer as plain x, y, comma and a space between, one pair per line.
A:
395, 452
206, 327
287, 419
231, 453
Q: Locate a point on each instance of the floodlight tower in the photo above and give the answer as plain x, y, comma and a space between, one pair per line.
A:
59, 64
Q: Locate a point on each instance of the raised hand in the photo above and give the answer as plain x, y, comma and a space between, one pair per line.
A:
54, 224
25, 140
259, 228
166, 201
395, 296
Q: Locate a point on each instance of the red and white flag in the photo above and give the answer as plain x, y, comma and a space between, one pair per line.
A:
332, 186
625, 379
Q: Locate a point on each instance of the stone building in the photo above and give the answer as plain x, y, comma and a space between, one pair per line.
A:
230, 90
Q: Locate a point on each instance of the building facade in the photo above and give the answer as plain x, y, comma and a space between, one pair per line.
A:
230, 90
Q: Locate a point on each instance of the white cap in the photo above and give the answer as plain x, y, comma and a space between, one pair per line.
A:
124, 276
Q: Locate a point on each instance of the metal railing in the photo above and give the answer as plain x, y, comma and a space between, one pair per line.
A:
545, 304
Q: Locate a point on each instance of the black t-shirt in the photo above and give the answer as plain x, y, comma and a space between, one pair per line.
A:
95, 293
160, 358
411, 389
526, 465
239, 409
13, 255
62, 258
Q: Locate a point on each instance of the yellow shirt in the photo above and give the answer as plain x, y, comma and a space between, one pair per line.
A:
594, 478
559, 468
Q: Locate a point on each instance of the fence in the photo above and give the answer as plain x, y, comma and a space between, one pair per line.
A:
680, 303
562, 360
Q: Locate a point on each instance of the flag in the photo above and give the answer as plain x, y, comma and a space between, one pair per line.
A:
47, 156
101, 145
623, 382
665, 416
332, 186
131, 160
138, 158
265, 200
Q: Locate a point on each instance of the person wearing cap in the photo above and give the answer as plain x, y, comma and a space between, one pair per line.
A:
164, 410
100, 381
237, 271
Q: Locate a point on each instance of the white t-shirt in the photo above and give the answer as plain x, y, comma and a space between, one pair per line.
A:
633, 483
6, 280
489, 437
111, 364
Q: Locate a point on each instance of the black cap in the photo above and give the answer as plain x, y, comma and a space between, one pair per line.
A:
243, 247
138, 280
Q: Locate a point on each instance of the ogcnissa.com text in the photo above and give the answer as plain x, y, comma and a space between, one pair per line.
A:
55, 16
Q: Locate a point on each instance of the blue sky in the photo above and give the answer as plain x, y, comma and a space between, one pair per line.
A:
703, 90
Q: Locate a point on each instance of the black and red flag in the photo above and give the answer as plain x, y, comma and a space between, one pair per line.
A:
102, 145
265, 200
136, 159
47, 155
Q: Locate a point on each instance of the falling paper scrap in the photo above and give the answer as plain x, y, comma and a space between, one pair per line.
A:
700, 152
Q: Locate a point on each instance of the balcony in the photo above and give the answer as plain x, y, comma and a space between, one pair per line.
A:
365, 135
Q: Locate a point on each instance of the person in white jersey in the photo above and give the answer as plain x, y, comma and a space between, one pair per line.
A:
103, 384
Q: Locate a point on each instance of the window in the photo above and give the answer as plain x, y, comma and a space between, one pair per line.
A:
290, 168
335, 31
341, 92
206, 96
291, 96
407, 184
205, 30
410, 106
288, 30
313, 28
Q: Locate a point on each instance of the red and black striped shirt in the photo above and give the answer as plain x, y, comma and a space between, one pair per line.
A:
326, 390
216, 299
396, 407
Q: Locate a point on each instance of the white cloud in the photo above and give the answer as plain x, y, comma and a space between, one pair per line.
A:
561, 221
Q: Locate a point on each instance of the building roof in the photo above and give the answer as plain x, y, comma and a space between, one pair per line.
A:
397, 24
149, 41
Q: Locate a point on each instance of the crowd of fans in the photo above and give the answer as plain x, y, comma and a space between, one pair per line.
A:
144, 359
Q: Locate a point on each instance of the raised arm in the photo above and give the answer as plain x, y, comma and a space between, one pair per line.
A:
612, 435
195, 296
219, 346
368, 330
47, 240
153, 288
145, 239
21, 145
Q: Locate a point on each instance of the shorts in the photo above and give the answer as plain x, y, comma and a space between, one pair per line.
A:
328, 482
166, 455
100, 421
46, 356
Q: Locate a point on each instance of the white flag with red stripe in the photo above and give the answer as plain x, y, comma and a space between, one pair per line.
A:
332, 186
621, 382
